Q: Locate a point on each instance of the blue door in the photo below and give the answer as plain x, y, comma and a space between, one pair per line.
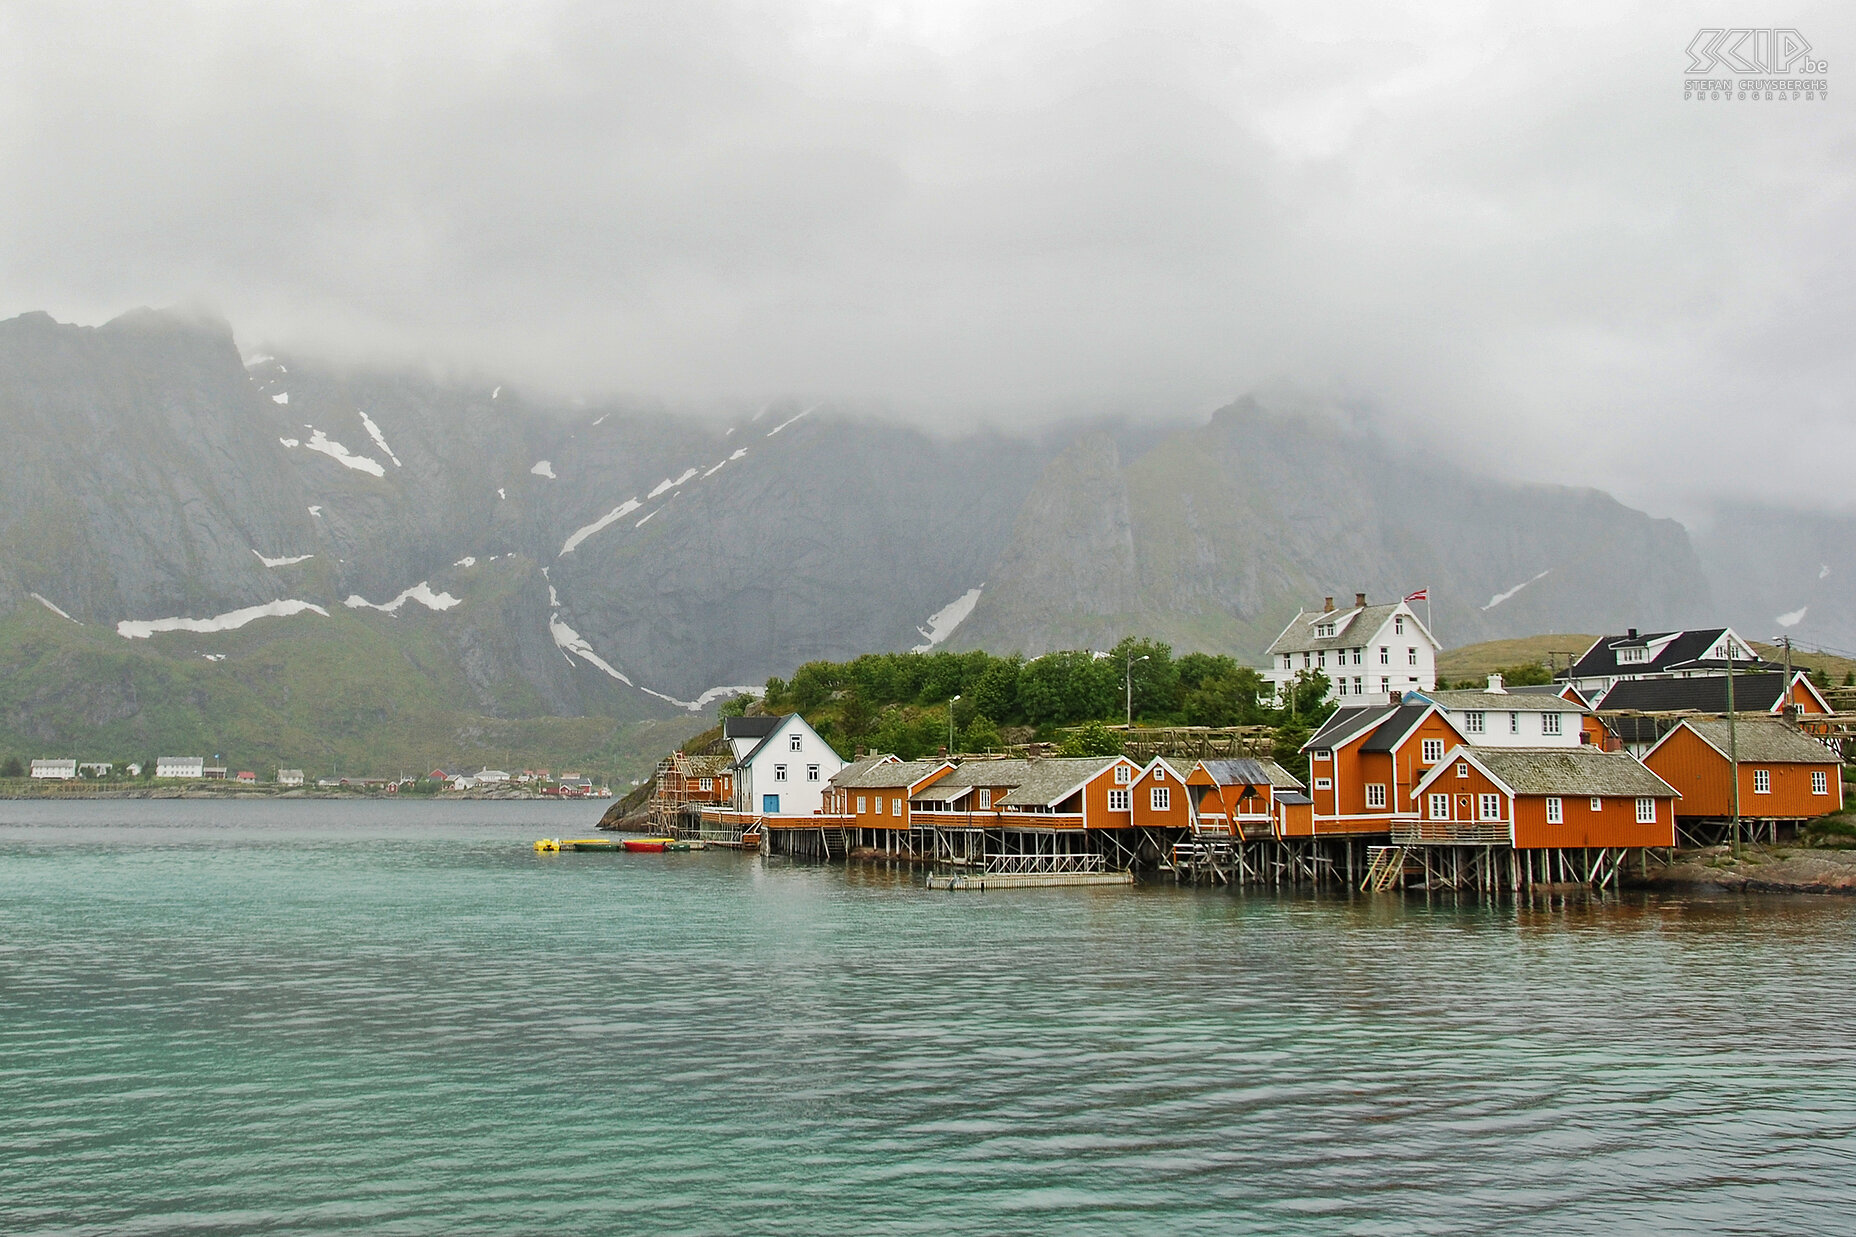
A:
770, 805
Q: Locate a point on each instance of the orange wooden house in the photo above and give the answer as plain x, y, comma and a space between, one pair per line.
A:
1160, 797
1540, 798
1785, 774
1363, 763
1244, 799
874, 793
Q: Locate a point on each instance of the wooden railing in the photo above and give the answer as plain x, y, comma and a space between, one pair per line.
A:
1450, 833
1018, 865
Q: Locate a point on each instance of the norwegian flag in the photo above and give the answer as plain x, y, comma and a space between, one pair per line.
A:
1423, 594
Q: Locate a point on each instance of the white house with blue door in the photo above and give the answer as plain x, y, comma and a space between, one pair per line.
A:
786, 771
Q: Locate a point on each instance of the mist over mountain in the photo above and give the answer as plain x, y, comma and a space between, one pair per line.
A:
541, 559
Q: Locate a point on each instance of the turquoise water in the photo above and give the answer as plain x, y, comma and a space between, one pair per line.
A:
302, 1017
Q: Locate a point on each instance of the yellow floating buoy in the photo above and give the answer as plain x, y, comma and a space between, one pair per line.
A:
548, 844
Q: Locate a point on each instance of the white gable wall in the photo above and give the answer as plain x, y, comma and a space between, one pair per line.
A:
1376, 679
793, 764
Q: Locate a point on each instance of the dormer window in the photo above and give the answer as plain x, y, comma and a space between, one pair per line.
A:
1636, 654
1398, 624
1324, 631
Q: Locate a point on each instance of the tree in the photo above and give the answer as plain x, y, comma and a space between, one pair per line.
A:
12, 768
735, 706
1287, 749
1308, 693
1155, 681
996, 693
1230, 699
1526, 674
980, 735
1068, 687
1092, 738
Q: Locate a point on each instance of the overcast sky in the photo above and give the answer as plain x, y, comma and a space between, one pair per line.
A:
1504, 230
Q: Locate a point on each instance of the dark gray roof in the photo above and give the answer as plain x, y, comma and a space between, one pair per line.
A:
1245, 772
1391, 732
1348, 723
1575, 771
1762, 740
1683, 652
1045, 782
1293, 796
986, 773
1753, 693
1354, 627
749, 727
846, 776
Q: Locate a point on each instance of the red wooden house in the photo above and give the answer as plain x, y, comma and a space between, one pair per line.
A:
1242, 798
1539, 798
1785, 774
1363, 762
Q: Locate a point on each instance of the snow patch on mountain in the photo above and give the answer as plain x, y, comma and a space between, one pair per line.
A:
671, 483
373, 431
469, 560
291, 442
782, 425
282, 397
543, 468
611, 517
54, 609
420, 592
319, 441
942, 622
283, 562
1501, 597
141, 629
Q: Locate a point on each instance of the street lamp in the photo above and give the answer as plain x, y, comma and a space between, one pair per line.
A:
950, 724
1128, 676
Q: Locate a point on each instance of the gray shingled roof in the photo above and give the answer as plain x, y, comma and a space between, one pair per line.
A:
1299, 636
1574, 771
987, 773
1763, 741
847, 776
883, 775
1044, 782
1501, 702
1251, 773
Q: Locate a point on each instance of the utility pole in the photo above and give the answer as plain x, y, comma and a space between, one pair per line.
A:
1786, 695
1733, 745
1128, 676
950, 724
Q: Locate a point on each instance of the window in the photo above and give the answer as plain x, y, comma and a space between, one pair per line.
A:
1324, 631
1321, 657
1288, 661
1385, 683
707, 783
794, 742
811, 773
1640, 654
1159, 773
1307, 660
1549, 723
1120, 801
1160, 798
1598, 805
779, 773
1358, 654
1820, 782
1123, 775
1462, 768
1340, 686
1440, 807
1322, 753
1490, 807
863, 804
1411, 657
1473, 721
895, 806
1375, 794
1358, 684
1646, 811
986, 800
1398, 624
1762, 781
1324, 783
1385, 655
1514, 723
1432, 751
1555, 813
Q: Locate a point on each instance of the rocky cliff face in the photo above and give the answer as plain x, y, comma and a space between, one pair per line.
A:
603, 560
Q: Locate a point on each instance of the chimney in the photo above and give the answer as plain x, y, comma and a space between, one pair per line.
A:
1328, 608
1359, 601
1631, 634
1495, 685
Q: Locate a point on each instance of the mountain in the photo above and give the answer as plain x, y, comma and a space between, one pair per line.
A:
193, 539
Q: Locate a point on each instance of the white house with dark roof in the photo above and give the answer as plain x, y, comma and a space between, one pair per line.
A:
1369, 653
1700, 653
1497, 717
785, 771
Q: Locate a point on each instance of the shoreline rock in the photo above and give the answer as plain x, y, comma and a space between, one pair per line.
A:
1760, 869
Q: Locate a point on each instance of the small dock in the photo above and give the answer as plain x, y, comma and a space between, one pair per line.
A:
979, 882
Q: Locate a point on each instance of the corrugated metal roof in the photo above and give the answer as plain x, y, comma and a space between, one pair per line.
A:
1501, 702
1763, 741
1575, 771
1704, 694
1245, 772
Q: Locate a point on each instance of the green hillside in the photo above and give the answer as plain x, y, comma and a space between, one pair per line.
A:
357, 694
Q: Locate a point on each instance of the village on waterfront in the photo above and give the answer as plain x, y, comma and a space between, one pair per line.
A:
180, 776
1642, 751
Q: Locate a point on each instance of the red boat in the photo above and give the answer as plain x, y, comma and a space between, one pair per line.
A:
653, 846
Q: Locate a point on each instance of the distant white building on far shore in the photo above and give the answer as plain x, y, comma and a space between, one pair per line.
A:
180, 766
54, 770
289, 777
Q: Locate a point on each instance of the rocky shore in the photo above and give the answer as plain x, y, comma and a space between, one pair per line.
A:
1758, 869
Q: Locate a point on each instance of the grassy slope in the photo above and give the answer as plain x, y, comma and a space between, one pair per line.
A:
355, 694
1477, 660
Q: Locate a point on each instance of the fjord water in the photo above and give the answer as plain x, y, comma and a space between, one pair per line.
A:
396, 1017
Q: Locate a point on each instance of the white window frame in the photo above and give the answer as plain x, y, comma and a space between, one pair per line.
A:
1550, 723
1598, 804
895, 806
1120, 800
1762, 781
1556, 813
1820, 782
1324, 783
1514, 723
1430, 751
1646, 811
705, 783
795, 742
1462, 768
1160, 798
1411, 657
1475, 721
1322, 753
1439, 807
1159, 773
1489, 807
1359, 685
1340, 686
779, 773
1385, 683
986, 799
1324, 631
1123, 775
1398, 624
811, 773
863, 804
1375, 794
1385, 655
